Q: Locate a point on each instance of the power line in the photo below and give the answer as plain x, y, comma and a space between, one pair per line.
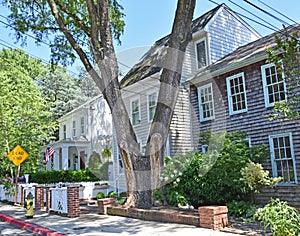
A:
264, 11
277, 11
274, 27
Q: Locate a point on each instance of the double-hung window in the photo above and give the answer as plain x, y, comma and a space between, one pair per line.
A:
206, 102
82, 126
282, 157
152, 100
74, 128
135, 111
236, 91
273, 84
201, 53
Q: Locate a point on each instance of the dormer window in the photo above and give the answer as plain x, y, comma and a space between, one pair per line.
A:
201, 53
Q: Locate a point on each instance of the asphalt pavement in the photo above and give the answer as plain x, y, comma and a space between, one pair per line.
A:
93, 224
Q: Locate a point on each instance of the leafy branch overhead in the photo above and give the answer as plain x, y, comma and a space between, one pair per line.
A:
286, 57
36, 18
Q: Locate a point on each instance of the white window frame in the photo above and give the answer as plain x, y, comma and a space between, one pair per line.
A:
206, 53
265, 85
82, 125
74, 128
148, 106
230, 96
200, 89
273, 161
139, 112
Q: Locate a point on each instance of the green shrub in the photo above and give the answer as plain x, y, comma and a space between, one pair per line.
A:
255, 177
282, 219
112, 194
100, 195
241, 209
69, 176
214, 177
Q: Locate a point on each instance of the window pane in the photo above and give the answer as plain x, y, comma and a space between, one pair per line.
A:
206, 102
201, 54
275, 85
284, 159
237, 94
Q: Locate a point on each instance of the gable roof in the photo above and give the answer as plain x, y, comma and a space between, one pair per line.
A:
242, 56
151, 63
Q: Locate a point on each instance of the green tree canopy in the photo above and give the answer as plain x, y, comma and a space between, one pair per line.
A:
61, 90
25, 118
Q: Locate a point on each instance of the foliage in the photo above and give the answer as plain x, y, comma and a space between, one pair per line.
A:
288, 64
61, 90
282, 219
157, 195
106, 153
100, 195
175, 198
255, 177
241, 208
36, 18
25, 116
214, 177
94, 161
56, 176
112, 194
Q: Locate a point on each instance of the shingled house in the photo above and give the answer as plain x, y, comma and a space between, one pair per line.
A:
238, 92
214, 35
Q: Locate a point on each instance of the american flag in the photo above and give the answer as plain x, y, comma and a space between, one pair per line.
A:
49, 152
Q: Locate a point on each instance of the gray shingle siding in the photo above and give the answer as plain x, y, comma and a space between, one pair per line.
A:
254, 122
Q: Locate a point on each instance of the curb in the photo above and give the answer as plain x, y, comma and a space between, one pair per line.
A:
29, 226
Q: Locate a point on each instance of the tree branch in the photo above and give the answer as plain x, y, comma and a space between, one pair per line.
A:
77, 21
75, 45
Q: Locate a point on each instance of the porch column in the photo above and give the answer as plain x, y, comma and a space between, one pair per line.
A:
48, 165
65, 157
56, 159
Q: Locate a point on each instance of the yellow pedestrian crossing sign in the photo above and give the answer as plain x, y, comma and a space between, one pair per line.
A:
17, 155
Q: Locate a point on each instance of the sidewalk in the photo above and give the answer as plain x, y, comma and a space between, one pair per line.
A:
93, 224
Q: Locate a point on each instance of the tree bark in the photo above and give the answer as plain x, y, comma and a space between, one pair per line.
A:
169, 87
141, 180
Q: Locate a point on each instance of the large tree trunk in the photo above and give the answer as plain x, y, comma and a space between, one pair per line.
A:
142, 172
169, 88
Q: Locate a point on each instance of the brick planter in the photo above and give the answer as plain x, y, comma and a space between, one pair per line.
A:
213, 217
104, 203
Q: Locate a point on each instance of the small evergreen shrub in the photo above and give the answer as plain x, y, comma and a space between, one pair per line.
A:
112, 194
282, 219
100, 195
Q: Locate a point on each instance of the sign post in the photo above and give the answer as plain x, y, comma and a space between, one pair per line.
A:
17, 156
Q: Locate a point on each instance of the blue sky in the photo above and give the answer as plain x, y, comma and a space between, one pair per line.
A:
148, 21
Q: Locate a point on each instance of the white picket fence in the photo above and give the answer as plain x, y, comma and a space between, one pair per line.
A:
59, 199
87, 190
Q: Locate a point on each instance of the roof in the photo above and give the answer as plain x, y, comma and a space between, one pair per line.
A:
242, 56
151, 63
